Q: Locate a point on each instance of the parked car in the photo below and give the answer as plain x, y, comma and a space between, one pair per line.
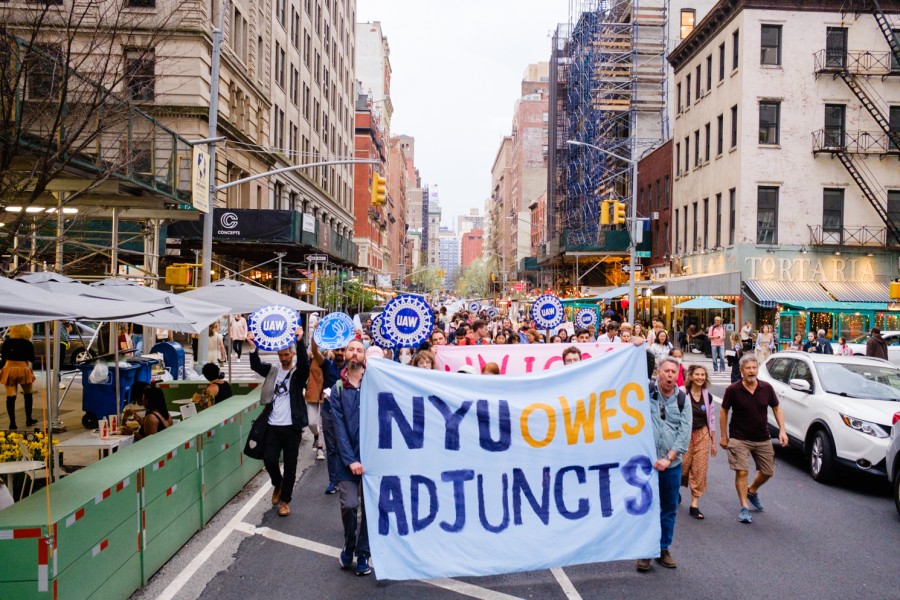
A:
84, 342
893, 460
858, 345
838, 409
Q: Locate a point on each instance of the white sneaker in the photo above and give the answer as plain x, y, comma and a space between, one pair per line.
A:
319, 454
62, 386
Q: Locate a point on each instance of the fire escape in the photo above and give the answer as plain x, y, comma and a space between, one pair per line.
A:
857, 69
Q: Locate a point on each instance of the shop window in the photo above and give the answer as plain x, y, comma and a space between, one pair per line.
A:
853, 326
822, 320
888, 322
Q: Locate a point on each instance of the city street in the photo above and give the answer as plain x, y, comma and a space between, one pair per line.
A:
812, 541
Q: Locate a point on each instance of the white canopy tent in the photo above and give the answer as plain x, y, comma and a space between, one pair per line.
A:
242, 297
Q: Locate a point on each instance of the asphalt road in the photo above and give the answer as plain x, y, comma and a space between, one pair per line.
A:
812, 541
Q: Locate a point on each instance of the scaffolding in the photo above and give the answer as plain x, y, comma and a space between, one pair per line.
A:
610, 74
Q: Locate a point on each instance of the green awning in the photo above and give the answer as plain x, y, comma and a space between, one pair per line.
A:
836, 306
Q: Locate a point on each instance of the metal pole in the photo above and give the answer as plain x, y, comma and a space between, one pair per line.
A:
280, 256
53, 414
316, 283
632, 248
206, 260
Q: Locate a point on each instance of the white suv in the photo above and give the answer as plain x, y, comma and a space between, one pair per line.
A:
838, 409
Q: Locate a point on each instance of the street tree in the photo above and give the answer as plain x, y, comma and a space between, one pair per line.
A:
71, 78
427, 280
475, 280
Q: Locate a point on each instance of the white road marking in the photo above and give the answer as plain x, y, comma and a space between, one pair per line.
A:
182, 578
566, 584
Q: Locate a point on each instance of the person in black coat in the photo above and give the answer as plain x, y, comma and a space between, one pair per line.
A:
285, 411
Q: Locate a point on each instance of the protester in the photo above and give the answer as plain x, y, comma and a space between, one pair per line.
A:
16, 360
478, 336
716, 335
661, 347
438, 338
611, 330
810, 344
583, 336
748, 433
238, 333
765, 343
671, 431
571, 355
636, 331
797, 343
218, 389
345, 407
556, 340
157, 417
500, 338
563, 335
678, 356
703, 432
331, 374
424, 359
747, 335
285, 410
843, 348
314, 396
876, 345
490, 368
734, 361
625, 335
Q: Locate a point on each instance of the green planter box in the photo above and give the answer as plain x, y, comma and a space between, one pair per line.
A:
164, 546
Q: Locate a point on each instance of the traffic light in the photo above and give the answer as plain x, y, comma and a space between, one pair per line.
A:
604, 212
895, 290
618, 217
180, 275
379, 189
442, 273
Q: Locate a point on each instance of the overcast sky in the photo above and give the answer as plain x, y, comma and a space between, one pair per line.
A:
456, 72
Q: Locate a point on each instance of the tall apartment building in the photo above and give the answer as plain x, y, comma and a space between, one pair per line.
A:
398, 188
449, 256
473, 220
470, 247
431, 234
786, 194
373, 69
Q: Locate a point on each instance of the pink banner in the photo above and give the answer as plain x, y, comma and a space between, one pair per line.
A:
515, 359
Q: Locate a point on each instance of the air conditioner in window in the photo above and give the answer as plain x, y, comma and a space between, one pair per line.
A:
654, 216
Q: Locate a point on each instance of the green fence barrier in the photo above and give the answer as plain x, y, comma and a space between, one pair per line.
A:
113, 524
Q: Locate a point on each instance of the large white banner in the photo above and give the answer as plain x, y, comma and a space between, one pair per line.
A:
479, 474
515, 359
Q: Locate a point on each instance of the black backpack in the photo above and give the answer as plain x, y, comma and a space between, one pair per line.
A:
682, 398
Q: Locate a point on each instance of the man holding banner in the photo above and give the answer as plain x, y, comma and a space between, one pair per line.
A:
672, 432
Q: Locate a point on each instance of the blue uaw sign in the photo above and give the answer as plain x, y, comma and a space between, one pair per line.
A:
585, 317
273, 327
474, 306
378, 332
408, 320
547, 311
334, 331
492, 312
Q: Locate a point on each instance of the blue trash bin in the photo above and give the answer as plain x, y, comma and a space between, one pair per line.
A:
173, 355
99, 399
145, 372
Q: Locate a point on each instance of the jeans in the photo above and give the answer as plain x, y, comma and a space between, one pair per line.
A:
351, 502
237, 346
718, 358
331, 453
669, 483
282, 439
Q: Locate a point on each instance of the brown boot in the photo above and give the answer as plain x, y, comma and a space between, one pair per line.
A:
284, 510
643, 565
666, 560
276, 496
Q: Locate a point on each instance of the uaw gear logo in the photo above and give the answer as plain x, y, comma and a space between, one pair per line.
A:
474, 306
492, 312
585, 317
378, 332
408, 320
547, 311
273, 327
334, 331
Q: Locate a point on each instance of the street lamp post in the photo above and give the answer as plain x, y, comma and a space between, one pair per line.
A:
631, 232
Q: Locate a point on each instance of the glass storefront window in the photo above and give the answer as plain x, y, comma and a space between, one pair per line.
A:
853, 326
790, 323
820, 320
887, 321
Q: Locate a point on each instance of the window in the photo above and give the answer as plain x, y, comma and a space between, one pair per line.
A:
697, 148
239, 35
722, 61
708, 141
732, 209
770, 45
687, 86
834, 125
687, 154
688, 17
769, 113
279, 129
307, 44
279, 65
677, 245
780, 369
706, 223
317, 69
133, 3
833, 216
895, 60
295, 85
44, 70
894, 127
677, 159
295, 28
140, 66
893, 210
685, 228
735, 50
734, 126
720, 134
678, 96
260, 58
836, 47
696, 244
280, 11
666, 193
709, 72
699, 92
767, 215
306, 102
718, 220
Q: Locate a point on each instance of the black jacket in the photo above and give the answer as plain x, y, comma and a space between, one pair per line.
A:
299, 417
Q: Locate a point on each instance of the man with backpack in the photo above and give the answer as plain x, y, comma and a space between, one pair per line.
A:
672, 432
823, 344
